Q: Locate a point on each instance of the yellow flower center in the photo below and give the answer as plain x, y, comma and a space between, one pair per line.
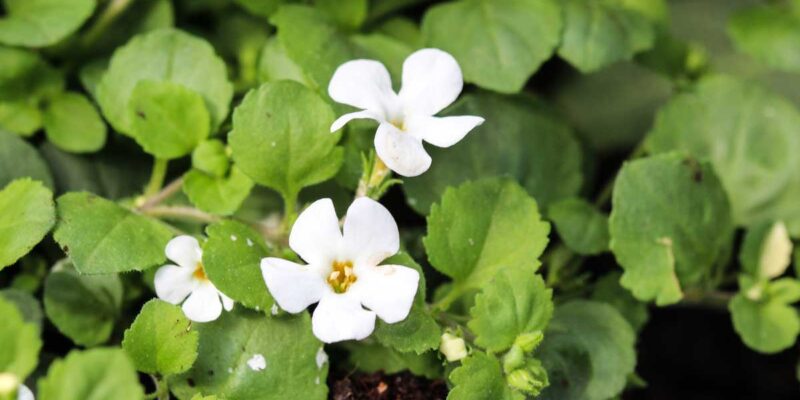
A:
199, 272
341, 276
399, 124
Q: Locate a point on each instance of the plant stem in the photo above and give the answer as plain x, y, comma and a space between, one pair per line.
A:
182, 213
157, 176
105, 20
168, 191
372, 181
712, 299
445, 302
289, 212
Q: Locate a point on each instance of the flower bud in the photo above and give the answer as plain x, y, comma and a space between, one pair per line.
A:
529, 341
453, 347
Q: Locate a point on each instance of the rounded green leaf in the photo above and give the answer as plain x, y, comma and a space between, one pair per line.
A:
18, 159
750, 137
21, 117
161, 340
26, 215
167, 119
21, 344
498, 43
588, 351
599, 33
583, 228
281, 137
520, 138
608, 290
84, 308
513, 303
770, 33
164, 55
482, 227
294, 365
480, 378
766, 325
101, 373
102, 237
210, 157
26, 76
39, 23
217, 195
232, 259
73, 124
670, 221
29, 306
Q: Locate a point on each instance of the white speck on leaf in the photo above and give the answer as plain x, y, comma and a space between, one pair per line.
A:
274, 144
471, 242
230, 370
316, 380
274, 309
233, 238
322, 357
249, 242
257, 362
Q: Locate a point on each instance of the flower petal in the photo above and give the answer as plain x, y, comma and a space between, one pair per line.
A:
388, 290
293, 286
365, 84
442, 131
227, 302
344, 119
431, 81
173, 283
370, 232
315, 235
400, 151
203, 305
185, 251
24, 393
340, 317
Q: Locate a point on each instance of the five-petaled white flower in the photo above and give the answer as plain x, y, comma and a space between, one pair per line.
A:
431, 81
343, 274
175, 282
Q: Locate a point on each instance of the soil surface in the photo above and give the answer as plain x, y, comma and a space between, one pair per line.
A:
377, 386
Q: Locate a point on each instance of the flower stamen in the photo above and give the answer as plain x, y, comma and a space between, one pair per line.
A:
199, 272
341, 276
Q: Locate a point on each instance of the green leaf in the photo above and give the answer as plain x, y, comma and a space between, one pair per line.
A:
21, 117
101, 373
513, 303
21, 344
276, 65
417, 333
102, 237
767, 325
18, 159
167, 119
26, 215
210, 157
73, 124
670, 220
84, 308
164, 55
608, 290
350, 14
750, 137
294, 367
769, 33
480, 378
39, 23
217, 195
482, 227
583, 228
263, 8
232, 259
588, 351
29, 306
281, 137
599, 33
26, 76
373, 357
161, 340
520, 138
498, 43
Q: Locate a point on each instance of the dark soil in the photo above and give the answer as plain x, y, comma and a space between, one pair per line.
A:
377, 386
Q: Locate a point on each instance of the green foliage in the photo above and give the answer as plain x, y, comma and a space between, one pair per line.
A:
281, 138
498, 43
163, 55
670, 221
588, 352
583, 228
764, 316
38, 23
374, 357
26, 215
515, 302
232, 259
21, 343
29, 306
608, 290
286, 344
210, 157
769, 33
482, 227
73, 124
217, 195
102, 237
480, 378
161, 340
520, 138
83, 307
749, 136
19, 159
167, 119
101, 373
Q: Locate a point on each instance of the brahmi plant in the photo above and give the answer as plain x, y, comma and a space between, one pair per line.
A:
474, 199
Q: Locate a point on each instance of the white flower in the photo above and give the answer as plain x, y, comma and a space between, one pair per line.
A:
343, 274
431, 81
23, 393
175, 282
